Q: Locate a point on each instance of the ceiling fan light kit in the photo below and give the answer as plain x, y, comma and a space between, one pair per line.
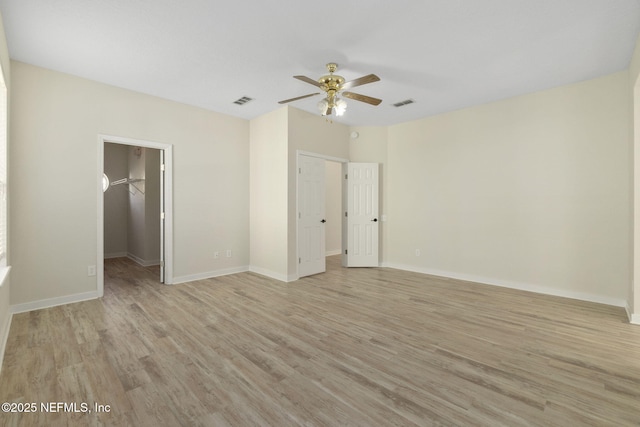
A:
332, 85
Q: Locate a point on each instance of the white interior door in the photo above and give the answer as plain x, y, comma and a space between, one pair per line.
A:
311, 215
362, 215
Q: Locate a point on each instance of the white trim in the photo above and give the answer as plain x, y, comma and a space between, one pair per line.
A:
132, 257
513, 285
634, 319
331, 253
142, 262
116, 255
5, 327
210, 274
272, 274
168, 203
100, 224
53, 302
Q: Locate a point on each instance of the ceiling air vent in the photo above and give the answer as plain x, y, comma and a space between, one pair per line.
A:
242, 100
403, 103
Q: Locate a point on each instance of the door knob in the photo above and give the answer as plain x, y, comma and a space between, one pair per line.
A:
375, 220
323, 221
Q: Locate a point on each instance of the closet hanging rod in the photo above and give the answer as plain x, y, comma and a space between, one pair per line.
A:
126, 181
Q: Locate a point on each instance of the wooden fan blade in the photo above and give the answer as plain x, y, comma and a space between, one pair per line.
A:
298, 97
363, 98
360, 81
307, 80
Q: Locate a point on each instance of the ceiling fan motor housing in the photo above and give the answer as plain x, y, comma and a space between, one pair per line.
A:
331, 82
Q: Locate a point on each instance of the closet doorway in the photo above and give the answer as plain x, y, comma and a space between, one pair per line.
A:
319, 194
134, 213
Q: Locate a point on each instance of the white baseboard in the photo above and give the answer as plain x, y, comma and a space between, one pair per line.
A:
209, 274
115, 255
331, 253
132, 257
143, 262
52, 302
583, 296
272, 274
633, 318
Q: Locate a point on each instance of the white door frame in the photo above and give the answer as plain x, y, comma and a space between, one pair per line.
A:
168, 203
298, 165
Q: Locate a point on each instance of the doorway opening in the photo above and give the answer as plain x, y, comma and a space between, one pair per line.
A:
131, 184
135, 204
333, 208
319, 206
356, 227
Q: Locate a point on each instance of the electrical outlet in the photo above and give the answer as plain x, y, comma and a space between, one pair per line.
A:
91, 270
228, 253
216, 255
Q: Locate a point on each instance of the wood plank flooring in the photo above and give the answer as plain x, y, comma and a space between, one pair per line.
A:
351, 347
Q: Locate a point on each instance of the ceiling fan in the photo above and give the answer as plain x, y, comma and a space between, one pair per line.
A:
334, 85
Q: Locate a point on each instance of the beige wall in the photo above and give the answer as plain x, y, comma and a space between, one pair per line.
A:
530, 192
634, 161
55, 122
269, 175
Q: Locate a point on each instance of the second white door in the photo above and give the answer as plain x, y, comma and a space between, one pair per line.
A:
362, 215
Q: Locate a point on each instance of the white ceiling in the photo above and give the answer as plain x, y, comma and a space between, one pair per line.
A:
444, 54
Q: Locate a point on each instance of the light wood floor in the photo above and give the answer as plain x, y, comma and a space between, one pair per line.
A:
356, 347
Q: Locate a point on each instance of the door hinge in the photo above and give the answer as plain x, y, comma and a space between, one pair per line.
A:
346, 252
162, 264
299, 170
161, 215
299, 260
346, 176
162, 167
346, 214
299, 215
